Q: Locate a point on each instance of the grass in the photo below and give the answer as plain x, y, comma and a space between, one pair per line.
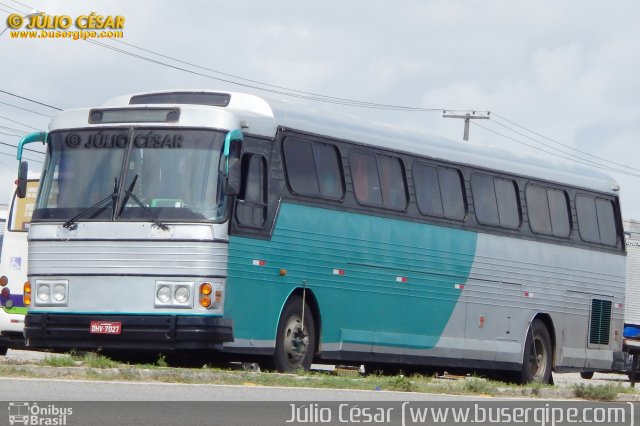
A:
89, 359
607, 392
99, 367
59, 361
162, 361
477, 385
93, 360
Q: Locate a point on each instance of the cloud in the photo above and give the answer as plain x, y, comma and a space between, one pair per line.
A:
564, 69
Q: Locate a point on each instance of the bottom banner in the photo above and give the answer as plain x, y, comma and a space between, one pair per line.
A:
541, 413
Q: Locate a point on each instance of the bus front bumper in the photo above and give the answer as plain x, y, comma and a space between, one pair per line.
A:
137, 332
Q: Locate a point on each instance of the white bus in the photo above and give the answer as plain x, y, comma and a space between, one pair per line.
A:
228, 223
13, 267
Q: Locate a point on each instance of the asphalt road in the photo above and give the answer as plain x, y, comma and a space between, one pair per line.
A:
90, 403
82, 390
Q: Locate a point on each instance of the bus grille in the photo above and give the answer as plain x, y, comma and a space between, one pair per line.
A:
600, 322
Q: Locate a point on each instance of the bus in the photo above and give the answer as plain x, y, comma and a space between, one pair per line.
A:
226, 222
13, 266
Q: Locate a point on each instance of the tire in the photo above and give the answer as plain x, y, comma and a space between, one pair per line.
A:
587, 375
294, 346
538, 357
3, 350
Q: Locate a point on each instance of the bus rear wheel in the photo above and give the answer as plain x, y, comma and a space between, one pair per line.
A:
537, 362
295, 339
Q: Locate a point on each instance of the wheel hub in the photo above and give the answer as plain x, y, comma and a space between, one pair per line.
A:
296, 341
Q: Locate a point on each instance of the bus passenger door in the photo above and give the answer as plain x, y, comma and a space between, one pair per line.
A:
253, 296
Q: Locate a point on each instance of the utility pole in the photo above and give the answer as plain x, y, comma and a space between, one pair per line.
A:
467, 118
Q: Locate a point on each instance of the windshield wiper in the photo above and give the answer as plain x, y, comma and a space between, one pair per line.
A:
129, 193
71, 223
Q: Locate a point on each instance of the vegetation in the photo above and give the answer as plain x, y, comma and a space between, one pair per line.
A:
100, 367
607, 392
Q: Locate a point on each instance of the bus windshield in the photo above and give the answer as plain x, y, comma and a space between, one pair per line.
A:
170, 172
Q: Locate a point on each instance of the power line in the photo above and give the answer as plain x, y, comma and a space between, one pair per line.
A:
336, 100
562, 144
318, 98
22, 4
11, 7
24, 109
30, 159
567, 153
24, 149
18, 122
13, 155
581, 161
7, 11
358, 104
21, 132
30, 100
319, 95
11, 134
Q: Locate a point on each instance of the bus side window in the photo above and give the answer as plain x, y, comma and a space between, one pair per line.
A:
392, 183
366, 182
596, 220
251, 207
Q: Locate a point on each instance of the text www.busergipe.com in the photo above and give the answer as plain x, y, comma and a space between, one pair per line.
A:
72, 35
543, 416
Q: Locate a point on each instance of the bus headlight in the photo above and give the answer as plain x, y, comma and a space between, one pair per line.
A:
174, 294
59, 292
182, 295
44, 293
164, 294
49, 292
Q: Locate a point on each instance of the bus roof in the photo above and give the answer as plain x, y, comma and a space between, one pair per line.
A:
262, 116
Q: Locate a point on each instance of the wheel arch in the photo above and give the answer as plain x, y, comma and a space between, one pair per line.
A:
311, 300
546, 319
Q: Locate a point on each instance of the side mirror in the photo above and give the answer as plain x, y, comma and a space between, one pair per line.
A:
234, 177
30, 138
232, 146
232, 166
21, 182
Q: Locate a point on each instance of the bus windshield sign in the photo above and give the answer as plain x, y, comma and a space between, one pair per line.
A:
129, 115
174, 173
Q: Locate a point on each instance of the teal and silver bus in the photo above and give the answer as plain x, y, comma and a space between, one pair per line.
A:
225, 222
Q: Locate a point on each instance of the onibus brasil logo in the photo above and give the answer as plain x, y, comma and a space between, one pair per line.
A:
25, 413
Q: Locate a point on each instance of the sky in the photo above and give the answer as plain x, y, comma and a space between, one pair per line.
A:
559, 78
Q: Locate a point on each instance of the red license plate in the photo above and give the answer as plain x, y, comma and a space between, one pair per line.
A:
105, 327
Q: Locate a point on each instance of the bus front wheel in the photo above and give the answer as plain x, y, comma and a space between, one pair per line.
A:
537, 362
295, 339
3, 350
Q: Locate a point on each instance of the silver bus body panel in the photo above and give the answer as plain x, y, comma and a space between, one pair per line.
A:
521, 279
102, 271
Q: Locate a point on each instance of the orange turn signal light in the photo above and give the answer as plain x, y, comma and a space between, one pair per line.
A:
26, 297
206, 288
205, 301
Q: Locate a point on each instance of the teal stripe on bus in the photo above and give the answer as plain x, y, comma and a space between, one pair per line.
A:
377, 280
